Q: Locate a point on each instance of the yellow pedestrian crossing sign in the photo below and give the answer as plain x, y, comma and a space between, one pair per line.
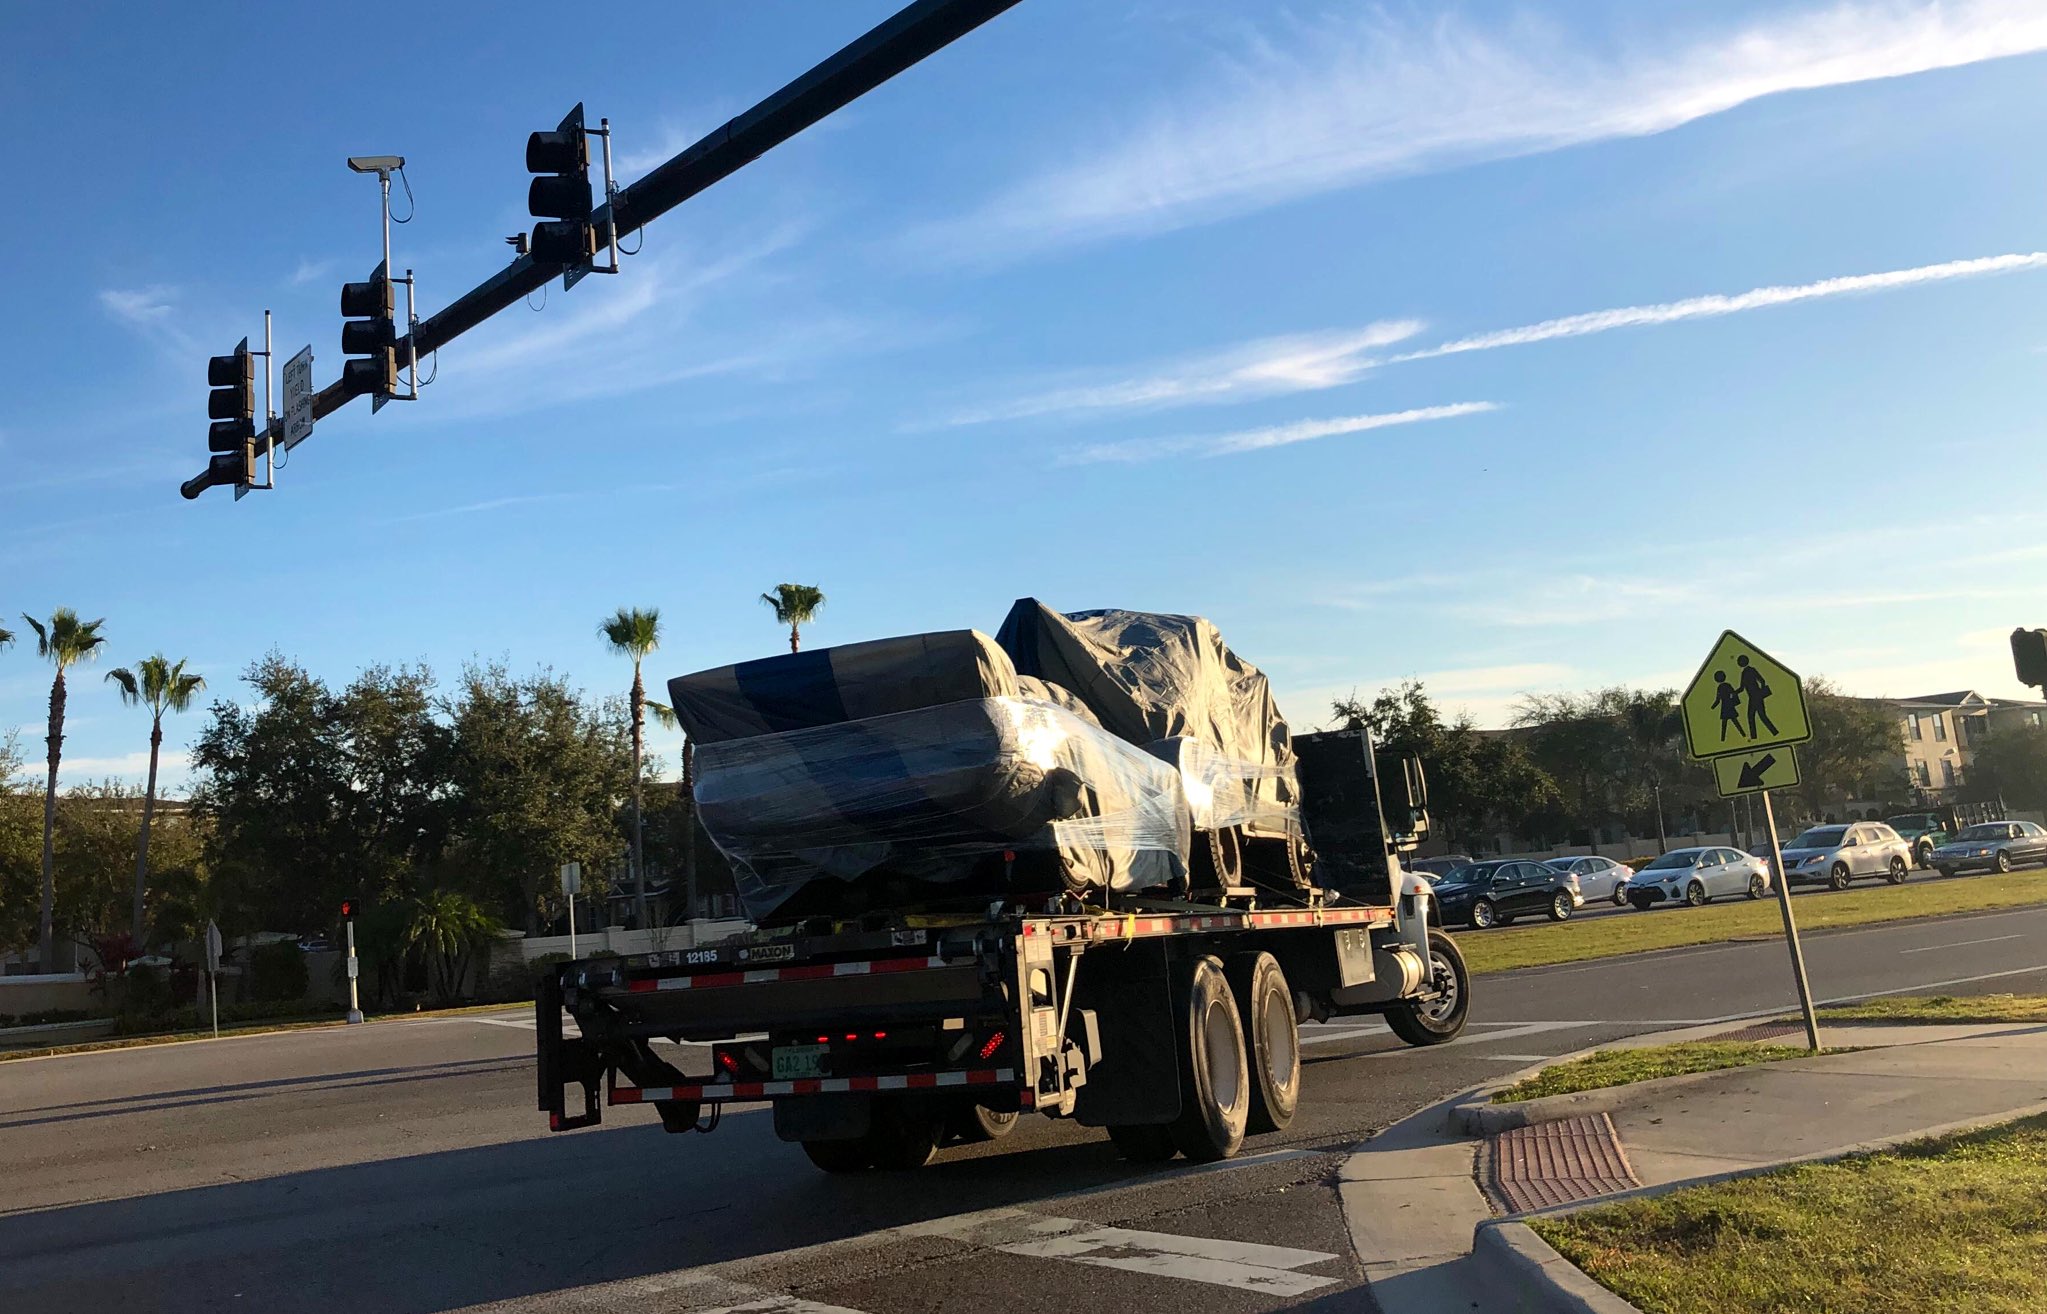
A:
1752, 773
1742, 702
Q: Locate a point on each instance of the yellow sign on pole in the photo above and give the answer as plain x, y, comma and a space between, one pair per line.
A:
1752, 773
1742, 702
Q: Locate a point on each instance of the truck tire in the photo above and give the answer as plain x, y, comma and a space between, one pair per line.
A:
905, 1134
1442, 1020
1147, 1143
1272, 1039
854, 1156
1215, 1076
975, 1123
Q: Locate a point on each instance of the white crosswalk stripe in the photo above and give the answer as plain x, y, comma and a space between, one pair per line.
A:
1245, 1265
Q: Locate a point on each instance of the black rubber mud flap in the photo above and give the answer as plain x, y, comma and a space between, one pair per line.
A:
560, 1061
1136, 1082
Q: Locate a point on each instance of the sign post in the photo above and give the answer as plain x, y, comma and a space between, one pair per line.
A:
1742, 712
213, 973
354, 968
572, 885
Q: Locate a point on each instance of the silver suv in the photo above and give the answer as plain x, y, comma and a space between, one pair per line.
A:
1840, 854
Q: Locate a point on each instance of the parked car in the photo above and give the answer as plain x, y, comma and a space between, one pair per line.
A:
1598, 878
1435, 869
1697, 876
1839, 854
1494, 893
1924, 831
1992, 846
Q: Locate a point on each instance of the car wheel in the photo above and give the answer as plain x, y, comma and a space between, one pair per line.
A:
1560, 907
1695, 895
1620, 896
1839, 877
1756, 887
1483, 914
1896, 876
1923, 855
2003, 861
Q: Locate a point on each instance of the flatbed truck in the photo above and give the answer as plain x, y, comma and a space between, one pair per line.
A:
1172, 1025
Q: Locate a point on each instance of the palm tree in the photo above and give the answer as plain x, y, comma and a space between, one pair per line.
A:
6, 637
634, 633
163, 686
446, 928
795, 605
64, 641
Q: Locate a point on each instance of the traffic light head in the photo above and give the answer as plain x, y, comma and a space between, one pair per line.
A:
560, 196
369, 335
349, 908
231, 405
2029, 656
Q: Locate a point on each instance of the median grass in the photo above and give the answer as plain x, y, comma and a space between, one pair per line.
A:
1954, 1223
1624, 1067
1941, 1008
1743, 919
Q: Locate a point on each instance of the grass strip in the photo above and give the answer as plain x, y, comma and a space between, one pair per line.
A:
1953, 1223
325, 1020
1624, 1067
1672, 928
1940, 1008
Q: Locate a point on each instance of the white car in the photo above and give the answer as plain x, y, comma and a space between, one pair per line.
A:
1697, 876
1839, 854
1600, 879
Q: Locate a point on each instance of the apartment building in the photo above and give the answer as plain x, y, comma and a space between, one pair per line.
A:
1943, 730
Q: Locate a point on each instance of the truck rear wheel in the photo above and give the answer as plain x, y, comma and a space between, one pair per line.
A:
1215, 1080
853, 1156
1440, 1020
977, 1122
1147, 1143
1271, 1039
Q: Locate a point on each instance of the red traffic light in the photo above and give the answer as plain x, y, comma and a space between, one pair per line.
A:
348, 908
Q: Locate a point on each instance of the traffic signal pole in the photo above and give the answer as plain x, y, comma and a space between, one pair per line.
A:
902, 40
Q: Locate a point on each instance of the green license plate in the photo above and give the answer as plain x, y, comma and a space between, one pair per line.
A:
794, 1062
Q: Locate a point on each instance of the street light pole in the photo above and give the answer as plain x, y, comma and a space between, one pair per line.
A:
354, 970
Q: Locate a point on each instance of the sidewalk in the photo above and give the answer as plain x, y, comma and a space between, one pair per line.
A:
1416, 1196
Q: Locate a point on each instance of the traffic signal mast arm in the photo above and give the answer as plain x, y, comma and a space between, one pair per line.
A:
913, 32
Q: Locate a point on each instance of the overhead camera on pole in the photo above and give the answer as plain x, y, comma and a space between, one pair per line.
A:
369, 335
560, 198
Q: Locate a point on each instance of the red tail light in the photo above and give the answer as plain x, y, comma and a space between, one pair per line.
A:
994, 1043
727, 1062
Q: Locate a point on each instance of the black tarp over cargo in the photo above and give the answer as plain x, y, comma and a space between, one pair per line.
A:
917, 772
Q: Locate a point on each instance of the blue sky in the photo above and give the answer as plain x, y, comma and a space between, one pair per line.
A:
1512, 346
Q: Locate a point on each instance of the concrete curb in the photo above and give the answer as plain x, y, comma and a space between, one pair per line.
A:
1519, 1271
1485, 1119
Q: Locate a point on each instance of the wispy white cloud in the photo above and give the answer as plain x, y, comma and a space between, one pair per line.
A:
172, 768
151, 312
309, 271
1275, 366
1714, 306
1262, 368
1312, 107
1253, 440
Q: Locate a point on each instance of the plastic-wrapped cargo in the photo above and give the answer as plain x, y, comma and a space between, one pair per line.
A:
920, 772
1170, 682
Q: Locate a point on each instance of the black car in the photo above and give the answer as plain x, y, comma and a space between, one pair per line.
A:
1494, 893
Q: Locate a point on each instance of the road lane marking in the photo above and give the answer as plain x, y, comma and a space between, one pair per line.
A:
1960, 944
1516, 1058
1244, 1265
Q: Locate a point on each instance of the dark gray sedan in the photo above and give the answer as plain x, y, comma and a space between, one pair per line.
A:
1992, 846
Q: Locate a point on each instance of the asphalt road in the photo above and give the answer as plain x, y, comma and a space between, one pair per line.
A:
401, 1167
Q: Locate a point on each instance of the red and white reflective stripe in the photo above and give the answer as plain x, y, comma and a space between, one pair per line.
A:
755, 1090
1131, 928
764, 975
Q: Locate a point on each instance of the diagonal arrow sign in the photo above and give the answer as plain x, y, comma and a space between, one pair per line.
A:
1752, 773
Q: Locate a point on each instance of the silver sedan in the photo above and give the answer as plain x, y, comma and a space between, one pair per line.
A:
1600, 880
1697, 876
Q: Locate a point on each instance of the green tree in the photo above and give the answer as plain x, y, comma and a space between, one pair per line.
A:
18, 849
313, 795
537, 778
162, 686
2011, 764
446, 928
1857, 748
64, 642
795, 605
634, 634
1475, 779
98, 827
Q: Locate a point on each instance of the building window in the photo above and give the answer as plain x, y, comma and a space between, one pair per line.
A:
1912, 726
1925, 776
1947, 772
1940, 727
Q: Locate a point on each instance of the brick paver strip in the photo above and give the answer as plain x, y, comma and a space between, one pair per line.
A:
1554, 1163
1765, 1031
